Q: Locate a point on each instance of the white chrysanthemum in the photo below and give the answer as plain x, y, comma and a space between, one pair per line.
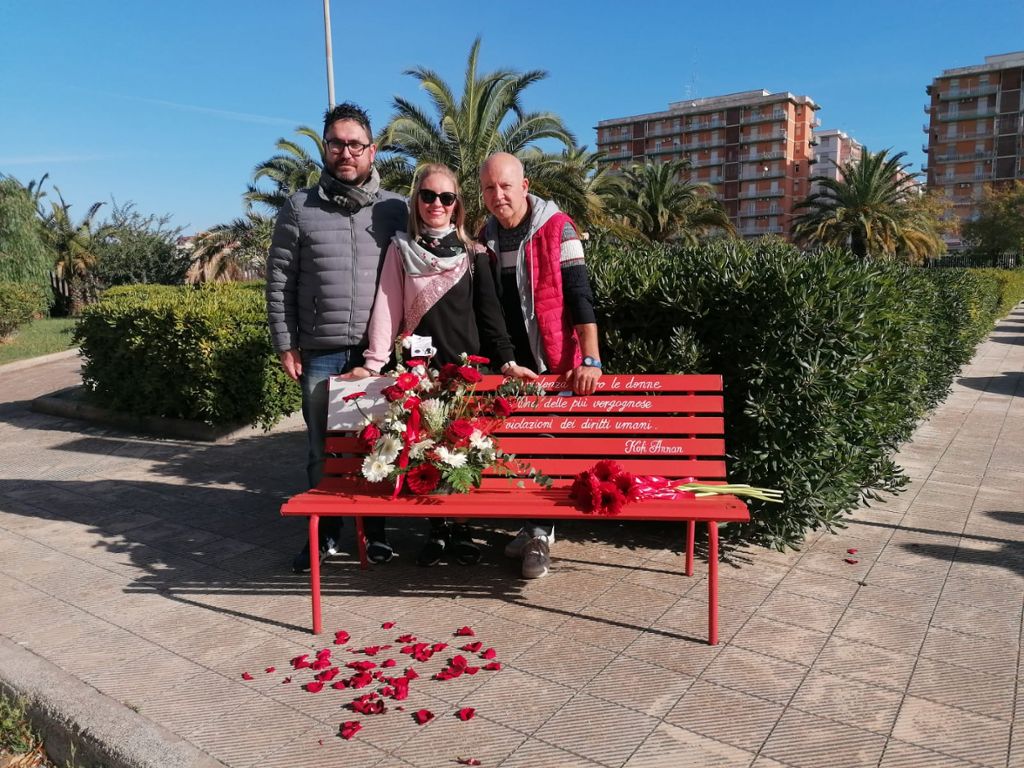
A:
375, 469
451, 458
417, 450
480, 441
388, 447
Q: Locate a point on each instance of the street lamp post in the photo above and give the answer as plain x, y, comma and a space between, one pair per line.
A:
330, 55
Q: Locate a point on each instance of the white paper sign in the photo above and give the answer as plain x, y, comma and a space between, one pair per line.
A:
345, 416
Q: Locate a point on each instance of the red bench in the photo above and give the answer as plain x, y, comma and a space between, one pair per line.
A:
666, 425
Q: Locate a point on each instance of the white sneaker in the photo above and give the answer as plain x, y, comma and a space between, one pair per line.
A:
536, 558
515, 547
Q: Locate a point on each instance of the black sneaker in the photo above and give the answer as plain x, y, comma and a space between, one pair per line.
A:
328, 547
464, 549
379, 551
433, 551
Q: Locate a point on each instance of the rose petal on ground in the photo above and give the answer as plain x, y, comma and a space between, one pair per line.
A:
387, 625
850, 560
268, 670
388, 663
423, 716
468, 761
370, 650
466, 713
851, 551
465, 632
315, 687
493, 666
472, 647
471, 670
246, 676
341, 636
350, 728
410, 673
300, 662
438, 647
490, 653
286, 680
339, 685
361, 666
406, 639
459, 662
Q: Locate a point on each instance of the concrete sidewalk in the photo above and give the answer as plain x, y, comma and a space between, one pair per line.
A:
151, 574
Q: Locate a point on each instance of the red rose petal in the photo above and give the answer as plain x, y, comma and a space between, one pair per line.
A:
315, 687
406, 639
464, 632
387, 625
494, 666
468, 761
466, 713
410, 673
339, 685
246, 676
490, 653
286, 680
423, 716
850, 560
459, 662
388, 663
361, 666
851, 551
472, 647
320, 664
438, 647
268, 670
350, 729
341, 637
471, 670
370, 650
300, 662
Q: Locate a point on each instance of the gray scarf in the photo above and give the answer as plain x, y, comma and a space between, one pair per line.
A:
350, 198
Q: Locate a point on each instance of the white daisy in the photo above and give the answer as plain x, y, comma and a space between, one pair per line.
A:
479, 440
451, 458
417, 450
375, 469
388, 447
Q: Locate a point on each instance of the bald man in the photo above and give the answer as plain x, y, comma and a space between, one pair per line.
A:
547, 301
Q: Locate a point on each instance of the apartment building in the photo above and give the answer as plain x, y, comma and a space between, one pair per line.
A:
754, 147
975, 130
835, 148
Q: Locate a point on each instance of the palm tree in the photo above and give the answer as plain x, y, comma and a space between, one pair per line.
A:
488, 117
291, 170
234, 251
656, 202
583, 186
869, 210
75, 246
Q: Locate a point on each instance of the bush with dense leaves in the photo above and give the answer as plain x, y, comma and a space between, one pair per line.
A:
828, 360
19, 303
187, 353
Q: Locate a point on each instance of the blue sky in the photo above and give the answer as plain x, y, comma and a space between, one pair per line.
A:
170, 104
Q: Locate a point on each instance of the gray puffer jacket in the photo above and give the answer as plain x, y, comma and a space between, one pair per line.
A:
323, 268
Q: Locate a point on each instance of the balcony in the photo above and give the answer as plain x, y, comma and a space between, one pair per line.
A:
776, 174
763, 118
974, 114
967, 93
927, 109
955, 158
772, 211
757, 138
761, 193
964, 178
773, 229
754, 157
924, 148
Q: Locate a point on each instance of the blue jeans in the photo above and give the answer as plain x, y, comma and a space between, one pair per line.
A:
318, 365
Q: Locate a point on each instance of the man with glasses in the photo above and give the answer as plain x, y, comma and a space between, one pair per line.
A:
545, 295
322, 270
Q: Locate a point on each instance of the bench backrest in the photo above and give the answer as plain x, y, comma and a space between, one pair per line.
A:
668, 425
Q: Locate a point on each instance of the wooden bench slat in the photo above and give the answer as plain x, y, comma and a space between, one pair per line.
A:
613, 447
705, 469
650, 425
625, 384
609, 405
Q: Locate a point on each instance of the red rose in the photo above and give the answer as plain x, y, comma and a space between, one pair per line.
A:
612, 499
606, 469
586, 492
407, 381
477, 359
626, 485
369, 436
415, 362
459, 430
469, 374
393, 393
503, 407
448, 372
353, 396
411, 402
423, 478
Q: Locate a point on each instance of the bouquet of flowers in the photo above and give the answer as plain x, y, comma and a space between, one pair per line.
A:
436, 433
606, 487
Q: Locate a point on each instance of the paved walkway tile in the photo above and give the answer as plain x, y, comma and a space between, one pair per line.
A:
157, 571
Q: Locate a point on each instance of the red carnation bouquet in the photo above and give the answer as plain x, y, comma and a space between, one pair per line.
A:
606, 488
438, 430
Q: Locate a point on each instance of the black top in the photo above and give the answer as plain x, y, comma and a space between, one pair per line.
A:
453, 330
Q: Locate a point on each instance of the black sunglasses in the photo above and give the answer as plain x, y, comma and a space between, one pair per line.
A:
428, 196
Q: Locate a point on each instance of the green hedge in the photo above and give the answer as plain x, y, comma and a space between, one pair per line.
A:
19, 303
187, 353
828, 361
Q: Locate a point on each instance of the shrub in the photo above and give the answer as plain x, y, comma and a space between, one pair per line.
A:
201, 354
1011, 287
19, 303
828, 360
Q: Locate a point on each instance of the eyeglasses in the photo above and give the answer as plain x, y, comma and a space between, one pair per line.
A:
428, 196
355, 148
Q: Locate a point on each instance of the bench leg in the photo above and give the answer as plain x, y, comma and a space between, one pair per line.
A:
691, 527
712, 582
364, 561
314, 570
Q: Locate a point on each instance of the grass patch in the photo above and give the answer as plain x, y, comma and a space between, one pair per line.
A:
40, 337
19, 744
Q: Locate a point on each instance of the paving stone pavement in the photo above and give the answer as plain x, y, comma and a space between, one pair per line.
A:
157, 572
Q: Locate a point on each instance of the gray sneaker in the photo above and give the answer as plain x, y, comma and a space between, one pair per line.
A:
536, 558
516, 547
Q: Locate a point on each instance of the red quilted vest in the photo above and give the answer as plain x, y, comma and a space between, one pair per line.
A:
543, 262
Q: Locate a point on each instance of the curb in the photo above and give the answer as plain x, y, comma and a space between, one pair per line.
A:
68, 404
31, 362
80, 724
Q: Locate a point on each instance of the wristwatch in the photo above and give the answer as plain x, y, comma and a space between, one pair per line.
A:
592, 362
506, 366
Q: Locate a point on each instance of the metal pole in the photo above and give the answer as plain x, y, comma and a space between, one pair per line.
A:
330, 56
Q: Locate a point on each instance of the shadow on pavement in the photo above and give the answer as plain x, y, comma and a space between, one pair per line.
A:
1009, 383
